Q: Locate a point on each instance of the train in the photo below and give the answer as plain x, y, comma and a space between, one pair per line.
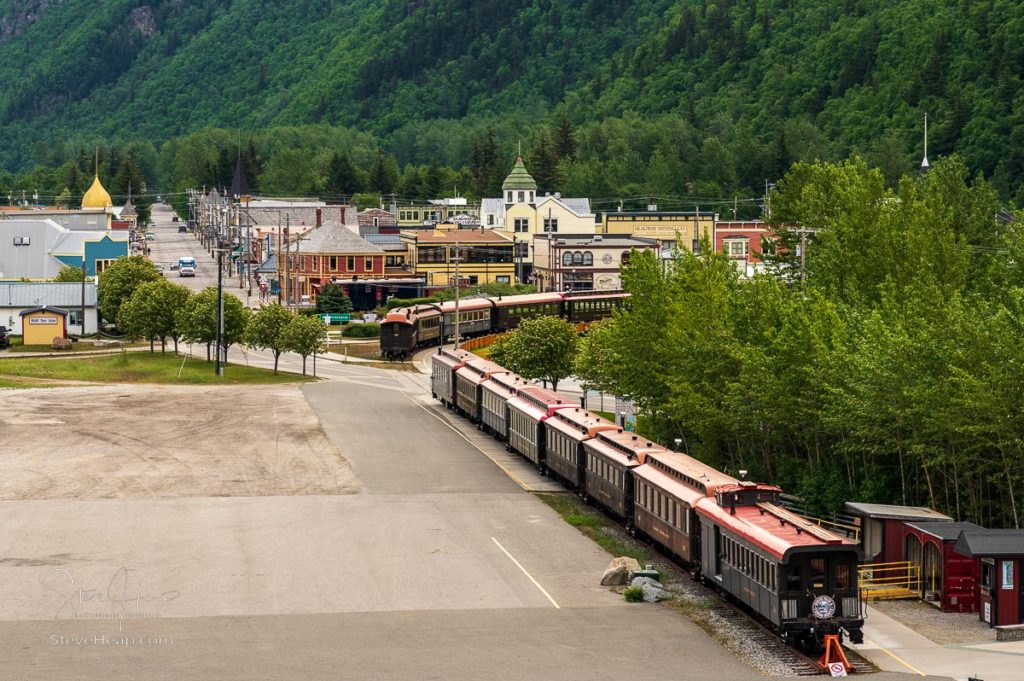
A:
731, 533
405, 329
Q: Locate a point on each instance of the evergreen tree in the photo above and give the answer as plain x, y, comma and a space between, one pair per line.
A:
383, 174
486, 165
332, 299
565, 138
343, 178
543, 165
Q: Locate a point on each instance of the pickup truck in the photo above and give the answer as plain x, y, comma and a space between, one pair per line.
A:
186, 271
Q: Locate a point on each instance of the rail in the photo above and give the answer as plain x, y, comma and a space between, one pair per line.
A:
889, 581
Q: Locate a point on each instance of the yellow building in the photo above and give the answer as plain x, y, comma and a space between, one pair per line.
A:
40, 325
683, 228
486, 256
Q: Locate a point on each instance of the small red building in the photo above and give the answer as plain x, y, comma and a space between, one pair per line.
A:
947, 576
884, 531
1001, 556
741, 241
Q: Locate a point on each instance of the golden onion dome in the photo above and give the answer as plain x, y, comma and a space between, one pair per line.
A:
97, 196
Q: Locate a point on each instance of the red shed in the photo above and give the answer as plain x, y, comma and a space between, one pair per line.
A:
883, 533
1001, 556
948, 577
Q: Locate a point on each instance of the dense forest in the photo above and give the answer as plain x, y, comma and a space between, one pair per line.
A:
887, 369
689, 101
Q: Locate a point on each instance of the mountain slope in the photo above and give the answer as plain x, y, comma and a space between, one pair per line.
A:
821, 78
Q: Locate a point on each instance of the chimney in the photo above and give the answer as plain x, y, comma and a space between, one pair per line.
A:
319, 218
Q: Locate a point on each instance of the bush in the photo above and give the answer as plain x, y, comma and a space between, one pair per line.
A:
633, 594
369, 330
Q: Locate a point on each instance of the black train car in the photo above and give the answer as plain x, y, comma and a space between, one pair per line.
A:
468, 381
667, 490
797, 575
589, 306
443, 365
611, 457
405, 329
565, 432
495, 393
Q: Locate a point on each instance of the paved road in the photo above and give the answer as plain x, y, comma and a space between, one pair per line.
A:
169, 245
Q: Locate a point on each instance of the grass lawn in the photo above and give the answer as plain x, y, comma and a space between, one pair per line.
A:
138, 367
369, 350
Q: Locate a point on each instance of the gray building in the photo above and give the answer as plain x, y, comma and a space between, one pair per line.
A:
18, 296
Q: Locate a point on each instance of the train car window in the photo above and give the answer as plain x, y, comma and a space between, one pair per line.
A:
842, 576
817, 573
793, 580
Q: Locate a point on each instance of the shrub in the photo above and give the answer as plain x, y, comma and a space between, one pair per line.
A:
633, 594
369, 330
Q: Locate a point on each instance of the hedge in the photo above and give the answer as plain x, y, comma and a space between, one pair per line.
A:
367, 330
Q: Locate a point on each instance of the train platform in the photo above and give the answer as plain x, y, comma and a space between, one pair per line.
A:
893, 646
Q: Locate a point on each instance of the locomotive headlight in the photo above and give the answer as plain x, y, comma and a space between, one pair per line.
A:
823, 607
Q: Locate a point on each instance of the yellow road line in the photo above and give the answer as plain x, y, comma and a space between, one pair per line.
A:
519, 565
895, 657
497, 463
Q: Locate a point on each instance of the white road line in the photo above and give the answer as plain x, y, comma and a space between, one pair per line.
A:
520, 566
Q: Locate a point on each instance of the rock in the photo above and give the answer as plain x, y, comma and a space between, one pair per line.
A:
618, 571
60, 343
653, 589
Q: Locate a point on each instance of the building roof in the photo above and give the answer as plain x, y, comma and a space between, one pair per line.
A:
33, 294
519, 178
269, 266
97, 196
384, 217
239, 183
892, 512
946, 531
460, 236
990, 542
579, 207
43, 308
128, 210
336, 239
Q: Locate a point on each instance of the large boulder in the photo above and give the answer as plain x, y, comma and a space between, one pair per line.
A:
653, 589
618, 571
60, 343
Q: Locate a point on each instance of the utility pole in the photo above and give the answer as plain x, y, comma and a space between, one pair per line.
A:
278, 262
83, 294
220, 308
458, 259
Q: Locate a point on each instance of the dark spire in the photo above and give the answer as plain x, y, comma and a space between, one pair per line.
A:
239, 185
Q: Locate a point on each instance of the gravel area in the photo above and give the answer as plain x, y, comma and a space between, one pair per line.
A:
945, 628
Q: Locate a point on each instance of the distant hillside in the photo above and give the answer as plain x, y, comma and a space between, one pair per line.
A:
815, 78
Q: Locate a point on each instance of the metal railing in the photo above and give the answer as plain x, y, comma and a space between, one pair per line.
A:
889, 581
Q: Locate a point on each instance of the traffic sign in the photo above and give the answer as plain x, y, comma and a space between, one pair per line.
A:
837, 669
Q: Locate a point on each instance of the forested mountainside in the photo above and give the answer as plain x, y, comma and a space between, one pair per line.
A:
726, 92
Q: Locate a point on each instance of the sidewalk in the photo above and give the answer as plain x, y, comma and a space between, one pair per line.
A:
894, 647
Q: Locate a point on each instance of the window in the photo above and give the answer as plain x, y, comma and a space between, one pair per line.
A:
503, 279
508, 196
577, 258
522, 197
74, 316
818, 573
736, 247
986, 573
490, 220
522, 225
625, 258
368, 264
350, 263
550, 224
22, 241
1007, 574
432, 254
334, 263
531, 197
588, 259
842, 571
376, 222
567, 258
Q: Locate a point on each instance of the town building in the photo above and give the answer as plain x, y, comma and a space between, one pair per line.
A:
40, 325
396, 254
485, 256
16, 297
742, 242
329, 254
573, 262
36, 250
684, 229
427, 215
377, 221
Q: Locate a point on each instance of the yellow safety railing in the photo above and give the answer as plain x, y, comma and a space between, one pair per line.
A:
888, 581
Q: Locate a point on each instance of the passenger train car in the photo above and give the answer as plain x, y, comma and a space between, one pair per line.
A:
407, 328
800, 578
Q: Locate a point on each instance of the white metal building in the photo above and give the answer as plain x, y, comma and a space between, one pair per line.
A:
18, 296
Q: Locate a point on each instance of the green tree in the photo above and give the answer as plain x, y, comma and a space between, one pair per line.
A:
485, 162
265, 330
343, 178
293, 171
543, 165
542, 348
120, 280
153, 312
304, 335
197, 320
564, 138
64, 198
332, 299
69, 274
383, 174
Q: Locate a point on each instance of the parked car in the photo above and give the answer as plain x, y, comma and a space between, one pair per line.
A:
182, 229
150, 236
186, 271
5, 342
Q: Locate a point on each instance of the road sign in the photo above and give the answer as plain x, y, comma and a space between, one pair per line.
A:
837, 669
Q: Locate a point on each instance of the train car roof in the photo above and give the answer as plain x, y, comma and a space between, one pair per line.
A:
778, 531
578, 423
479, 370
528, 299
623, 446
407, 315
452, 358
670, 485
506, 384
689, 471
596, 295
546, 399
467, 304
